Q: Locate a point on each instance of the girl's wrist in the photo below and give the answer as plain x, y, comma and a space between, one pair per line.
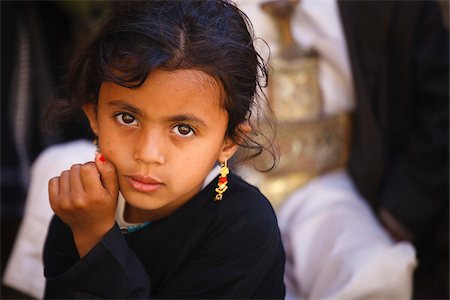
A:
86, 238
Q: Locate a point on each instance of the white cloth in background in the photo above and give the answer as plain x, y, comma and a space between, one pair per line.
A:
24, 270
335, 248
315, 25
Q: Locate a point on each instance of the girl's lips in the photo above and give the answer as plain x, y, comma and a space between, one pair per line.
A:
144, 184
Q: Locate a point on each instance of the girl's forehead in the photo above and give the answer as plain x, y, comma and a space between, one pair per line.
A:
168, 87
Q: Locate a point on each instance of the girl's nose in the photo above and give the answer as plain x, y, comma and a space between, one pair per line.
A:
149, 148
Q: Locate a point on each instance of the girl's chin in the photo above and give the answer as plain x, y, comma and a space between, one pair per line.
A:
145, 211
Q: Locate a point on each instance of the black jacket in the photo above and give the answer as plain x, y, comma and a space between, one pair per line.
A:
205, 249
399, 53
399, 160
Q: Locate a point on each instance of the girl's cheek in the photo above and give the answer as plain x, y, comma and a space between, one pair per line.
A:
110, 155
107, 150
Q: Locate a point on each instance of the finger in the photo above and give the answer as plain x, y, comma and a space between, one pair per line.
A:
75, 179
64, 183
90, 177
53, 191
108, 174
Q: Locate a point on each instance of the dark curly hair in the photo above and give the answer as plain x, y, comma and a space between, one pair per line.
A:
212, 36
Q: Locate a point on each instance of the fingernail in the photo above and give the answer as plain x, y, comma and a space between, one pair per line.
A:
102, 158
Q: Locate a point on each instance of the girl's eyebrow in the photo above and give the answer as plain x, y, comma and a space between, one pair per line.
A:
126, 106
187, 117
176, 118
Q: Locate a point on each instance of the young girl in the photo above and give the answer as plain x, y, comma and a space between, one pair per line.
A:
167, 87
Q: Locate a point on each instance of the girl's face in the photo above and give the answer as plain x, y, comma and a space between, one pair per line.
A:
163, 138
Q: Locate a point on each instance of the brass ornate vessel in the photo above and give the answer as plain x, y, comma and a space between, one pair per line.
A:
309, 142
294, 70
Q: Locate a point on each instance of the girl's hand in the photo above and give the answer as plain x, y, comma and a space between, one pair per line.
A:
85, 198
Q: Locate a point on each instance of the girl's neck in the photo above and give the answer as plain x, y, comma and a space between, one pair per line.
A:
132, 214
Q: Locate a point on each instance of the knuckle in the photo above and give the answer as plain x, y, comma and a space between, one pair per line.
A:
54, 179
69, 203
58, 206
63, 203
77, 201
89, 164
75, 167
78, 204
88, 167
53, 182
64, 173
54, 205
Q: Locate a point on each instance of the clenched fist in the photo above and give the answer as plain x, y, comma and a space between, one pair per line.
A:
85, 198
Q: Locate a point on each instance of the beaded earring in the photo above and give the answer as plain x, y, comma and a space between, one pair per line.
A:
222, 184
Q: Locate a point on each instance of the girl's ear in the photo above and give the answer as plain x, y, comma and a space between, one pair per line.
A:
91, 113
229, 146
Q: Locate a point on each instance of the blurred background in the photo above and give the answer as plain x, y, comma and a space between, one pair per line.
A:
38, 38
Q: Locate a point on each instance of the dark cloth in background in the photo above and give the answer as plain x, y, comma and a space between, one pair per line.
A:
399, 53
37, 40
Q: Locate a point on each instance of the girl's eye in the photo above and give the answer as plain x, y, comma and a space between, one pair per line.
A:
126, 119
183, 130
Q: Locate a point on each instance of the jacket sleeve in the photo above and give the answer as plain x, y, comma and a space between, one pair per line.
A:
416, 191
109, 270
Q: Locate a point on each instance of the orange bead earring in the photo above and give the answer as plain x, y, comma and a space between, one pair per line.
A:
223, 180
